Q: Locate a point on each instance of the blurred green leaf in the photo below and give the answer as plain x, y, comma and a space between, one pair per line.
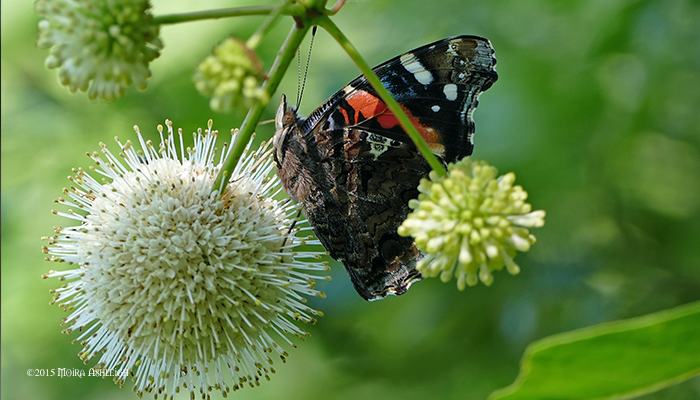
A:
616, 360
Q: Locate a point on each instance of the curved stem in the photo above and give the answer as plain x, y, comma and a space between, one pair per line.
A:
214, 14
336, 7
265, 27
406, 124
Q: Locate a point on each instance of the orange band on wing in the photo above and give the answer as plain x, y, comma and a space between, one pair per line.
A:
373, 107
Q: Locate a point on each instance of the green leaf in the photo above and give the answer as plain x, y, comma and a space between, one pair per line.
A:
616, 360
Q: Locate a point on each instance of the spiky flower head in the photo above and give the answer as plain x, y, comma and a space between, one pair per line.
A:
175, 282
101, 47
232, 76
470, 223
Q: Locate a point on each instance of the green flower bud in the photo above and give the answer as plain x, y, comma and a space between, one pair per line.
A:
232, 75
99, 47
470, 223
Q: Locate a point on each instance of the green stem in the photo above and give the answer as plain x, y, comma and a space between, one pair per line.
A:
214, 14
284, 57
338, 5
269, 22
406, 124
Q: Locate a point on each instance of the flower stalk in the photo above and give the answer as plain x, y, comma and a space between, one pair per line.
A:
282, 62
216, 14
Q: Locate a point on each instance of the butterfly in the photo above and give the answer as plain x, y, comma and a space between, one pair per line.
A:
353, 169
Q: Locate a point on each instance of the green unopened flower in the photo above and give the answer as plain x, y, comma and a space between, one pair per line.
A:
101, 47
470, 223
174, 282
232, 76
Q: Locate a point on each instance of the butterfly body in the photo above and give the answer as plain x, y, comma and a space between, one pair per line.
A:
353, 168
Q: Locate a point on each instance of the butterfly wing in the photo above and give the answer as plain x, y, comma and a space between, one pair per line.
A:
354, 169
438, 86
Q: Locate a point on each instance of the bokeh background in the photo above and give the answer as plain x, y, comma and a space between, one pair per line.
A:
597, 111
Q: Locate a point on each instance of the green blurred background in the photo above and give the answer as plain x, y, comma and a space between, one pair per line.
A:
597, 111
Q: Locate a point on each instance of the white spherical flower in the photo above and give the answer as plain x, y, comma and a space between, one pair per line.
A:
174, 282
470, 223
101, 47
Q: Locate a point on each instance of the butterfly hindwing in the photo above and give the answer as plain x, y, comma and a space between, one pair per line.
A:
354, 169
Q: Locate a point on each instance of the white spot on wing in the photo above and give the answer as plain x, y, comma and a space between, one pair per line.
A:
378, 144
411, 63
452, 48
435, 108
450, 91
377, 149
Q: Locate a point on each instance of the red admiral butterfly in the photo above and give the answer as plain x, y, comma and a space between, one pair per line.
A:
354, 169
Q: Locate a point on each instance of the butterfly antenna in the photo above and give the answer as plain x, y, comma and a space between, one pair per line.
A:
300, 87
298, 76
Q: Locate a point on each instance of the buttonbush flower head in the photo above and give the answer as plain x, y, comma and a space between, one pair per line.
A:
175, 282
101, 47
470, 223
232, 76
